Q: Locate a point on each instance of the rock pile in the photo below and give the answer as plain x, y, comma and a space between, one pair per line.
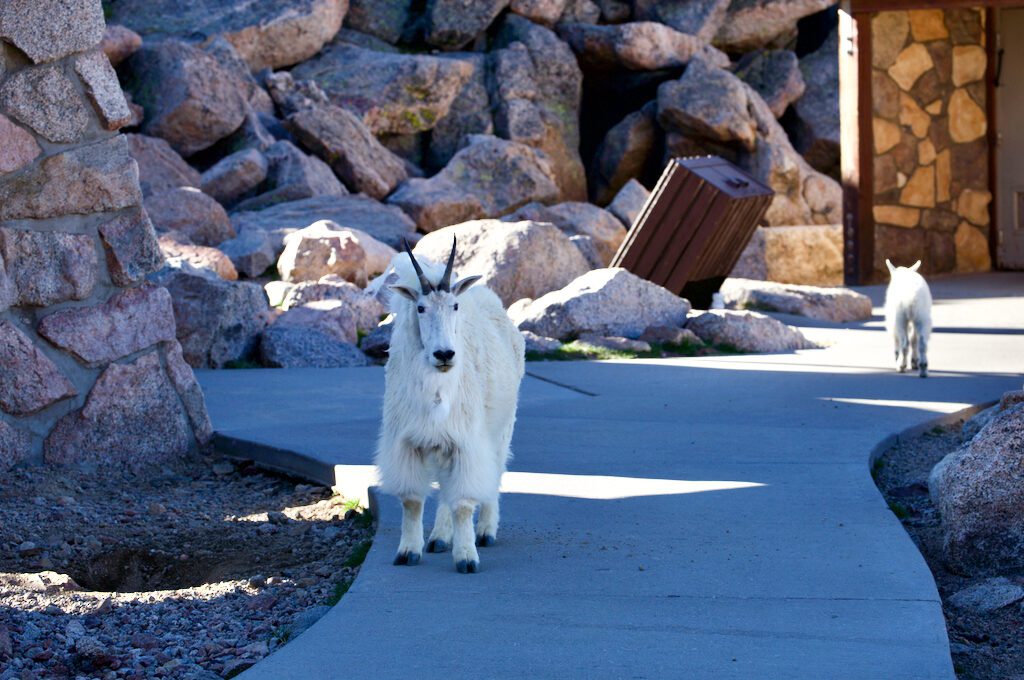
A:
304, 139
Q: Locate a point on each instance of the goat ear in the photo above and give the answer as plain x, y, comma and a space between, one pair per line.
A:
914, 267
892, 270
405, 292
463, 284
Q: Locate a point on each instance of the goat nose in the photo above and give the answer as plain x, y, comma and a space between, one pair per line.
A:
444, 354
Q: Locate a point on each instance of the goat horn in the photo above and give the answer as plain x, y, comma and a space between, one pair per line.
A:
446, 280
424, 282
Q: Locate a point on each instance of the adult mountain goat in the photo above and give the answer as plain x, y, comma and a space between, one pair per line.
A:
908, 316
451, 387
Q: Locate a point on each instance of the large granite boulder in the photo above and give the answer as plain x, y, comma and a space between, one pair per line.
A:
367, 308
469, 114
489, 177
192, 213
776, 76
266, 33
751, 24
810, 255
608, 302
261, 233
452, 24
980, 498
637, 45
747, 331
699, 18
291, 176
626, 152
160, 166
234, 176
603, 229
295, 347
133, 415
815, 129
190, 100
177, 247
341, 139
218, 321
119, 43
325, 248
516, 259
537, 98
837, 304
629, 202
391, 93
382, 19
711, 103
332, 317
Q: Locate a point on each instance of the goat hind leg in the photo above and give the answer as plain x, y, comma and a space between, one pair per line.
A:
922, 352
411, 546
441, 535
464, 554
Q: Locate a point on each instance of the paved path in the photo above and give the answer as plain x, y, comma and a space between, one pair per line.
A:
693, 518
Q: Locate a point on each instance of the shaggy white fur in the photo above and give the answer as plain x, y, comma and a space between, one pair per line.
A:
451, 388
908, 316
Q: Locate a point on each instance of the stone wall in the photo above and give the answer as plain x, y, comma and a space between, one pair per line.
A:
931, 185
90, 370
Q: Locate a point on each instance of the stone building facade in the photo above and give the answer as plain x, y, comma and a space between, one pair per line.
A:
929, 130
90, 370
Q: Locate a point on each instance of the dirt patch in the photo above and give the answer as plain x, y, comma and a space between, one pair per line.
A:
195, 570
986, 646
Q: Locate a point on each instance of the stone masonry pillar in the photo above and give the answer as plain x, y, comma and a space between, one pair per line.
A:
90, 371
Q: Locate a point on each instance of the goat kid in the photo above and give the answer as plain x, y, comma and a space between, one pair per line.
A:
908, 316
451, 388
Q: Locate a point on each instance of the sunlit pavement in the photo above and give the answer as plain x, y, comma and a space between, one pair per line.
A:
709, 517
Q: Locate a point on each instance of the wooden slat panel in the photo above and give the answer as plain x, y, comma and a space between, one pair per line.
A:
695, 223
897, 5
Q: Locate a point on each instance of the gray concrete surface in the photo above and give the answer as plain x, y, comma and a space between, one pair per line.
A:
694, 518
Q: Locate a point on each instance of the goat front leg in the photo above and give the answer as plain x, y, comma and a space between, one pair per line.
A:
441, 536
411, 546
487, 524
464, 554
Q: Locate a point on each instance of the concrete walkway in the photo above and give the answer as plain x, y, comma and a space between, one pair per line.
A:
692, 518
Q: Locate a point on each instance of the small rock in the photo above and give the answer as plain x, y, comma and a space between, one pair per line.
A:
747, 331
223, 468
157, 509
614, 343
277, 517
257, 582
988, 596
266, 529
539, 343
671, 335
29, 549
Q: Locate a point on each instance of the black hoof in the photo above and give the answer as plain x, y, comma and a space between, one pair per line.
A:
437, 546
485, 540
468, 567
410, 559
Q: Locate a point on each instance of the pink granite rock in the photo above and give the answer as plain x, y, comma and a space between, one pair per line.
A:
15, 445
47, 30
29, 381
45, 99
18, 147
48, 267
128, 322
192, 213
103, 88
119, 43
132, 416
131, 247
184, 381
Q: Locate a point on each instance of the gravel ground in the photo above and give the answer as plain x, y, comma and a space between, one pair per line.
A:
987, 646
195, 570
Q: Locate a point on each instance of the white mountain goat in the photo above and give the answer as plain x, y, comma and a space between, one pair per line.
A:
908, 316
451, 388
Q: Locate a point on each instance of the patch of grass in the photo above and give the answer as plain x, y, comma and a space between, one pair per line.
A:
899, 510
876, 468
358, 555
242, 363
339, 591
579, 351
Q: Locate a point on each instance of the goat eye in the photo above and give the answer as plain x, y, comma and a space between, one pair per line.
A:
420, 309
456, 306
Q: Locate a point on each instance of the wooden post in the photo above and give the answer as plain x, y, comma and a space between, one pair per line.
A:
856, 144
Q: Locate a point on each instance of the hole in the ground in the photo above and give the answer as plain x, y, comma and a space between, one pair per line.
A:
129, 570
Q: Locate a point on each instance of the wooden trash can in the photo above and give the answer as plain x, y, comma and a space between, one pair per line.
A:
693, 228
